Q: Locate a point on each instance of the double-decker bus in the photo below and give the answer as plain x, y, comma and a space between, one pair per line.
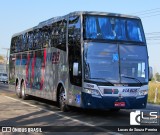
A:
84, 59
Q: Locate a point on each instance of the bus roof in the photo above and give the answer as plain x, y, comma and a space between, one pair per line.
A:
56, 19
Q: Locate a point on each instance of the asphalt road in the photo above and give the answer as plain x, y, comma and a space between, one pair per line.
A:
42, 113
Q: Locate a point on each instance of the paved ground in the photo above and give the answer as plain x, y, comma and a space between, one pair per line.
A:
38, 112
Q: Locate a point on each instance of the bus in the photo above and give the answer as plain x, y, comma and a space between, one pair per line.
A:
91, 60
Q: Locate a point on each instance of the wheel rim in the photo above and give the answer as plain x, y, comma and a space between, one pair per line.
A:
62, 98
18, 90
23, 93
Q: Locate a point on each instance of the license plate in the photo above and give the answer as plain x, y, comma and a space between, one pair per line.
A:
119, 104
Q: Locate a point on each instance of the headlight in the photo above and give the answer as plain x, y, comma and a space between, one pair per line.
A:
143, 92
93, 92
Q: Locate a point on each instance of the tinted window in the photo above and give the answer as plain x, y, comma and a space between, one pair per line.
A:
24, 42
113, 28
45, 36
30, 40
58, 34
36, 39
13, 45
4, 75
18, 43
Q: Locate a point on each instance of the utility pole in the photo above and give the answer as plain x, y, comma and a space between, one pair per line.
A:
6, 58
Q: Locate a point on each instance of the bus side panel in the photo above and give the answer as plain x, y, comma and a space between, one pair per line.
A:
12, 63
55, 72
44, 70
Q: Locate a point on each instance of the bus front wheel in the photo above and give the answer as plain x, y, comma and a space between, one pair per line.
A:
62, 100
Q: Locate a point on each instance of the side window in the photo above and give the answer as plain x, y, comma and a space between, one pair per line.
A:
24, 42
13, 45
37, 38
74, 48
18, 43
54, 34
61, 27
30, 40
58, 35
45, 36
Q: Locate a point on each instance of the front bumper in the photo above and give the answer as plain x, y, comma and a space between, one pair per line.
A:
107, 102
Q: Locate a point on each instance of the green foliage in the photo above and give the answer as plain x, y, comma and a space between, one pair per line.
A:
151, 92
153, 79
1, 57
157, 77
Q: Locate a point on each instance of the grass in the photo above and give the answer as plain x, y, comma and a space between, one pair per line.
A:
151, 92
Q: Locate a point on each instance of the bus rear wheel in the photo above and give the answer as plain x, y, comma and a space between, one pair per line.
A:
62, 100
24, 96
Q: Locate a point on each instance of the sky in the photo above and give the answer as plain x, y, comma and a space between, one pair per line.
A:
19, 15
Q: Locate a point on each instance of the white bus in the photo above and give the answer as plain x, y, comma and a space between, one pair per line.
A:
84, 59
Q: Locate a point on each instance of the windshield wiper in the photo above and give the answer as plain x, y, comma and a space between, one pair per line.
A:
132, 78
104, 80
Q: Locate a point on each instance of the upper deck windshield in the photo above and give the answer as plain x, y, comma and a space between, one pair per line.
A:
112, 28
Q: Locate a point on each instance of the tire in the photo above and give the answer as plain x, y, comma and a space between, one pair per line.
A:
62, 100
24, 96
18, 90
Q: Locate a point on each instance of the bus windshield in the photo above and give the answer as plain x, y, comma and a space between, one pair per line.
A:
101, 62
112, 28
115, 63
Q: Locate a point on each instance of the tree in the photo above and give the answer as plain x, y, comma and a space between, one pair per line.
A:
157, 77
1, 58
153, 79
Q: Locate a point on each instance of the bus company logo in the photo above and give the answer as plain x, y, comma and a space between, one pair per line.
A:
54, 57
130, 90
144, 117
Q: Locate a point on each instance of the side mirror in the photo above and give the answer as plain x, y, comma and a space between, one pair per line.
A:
150, 73
75, 69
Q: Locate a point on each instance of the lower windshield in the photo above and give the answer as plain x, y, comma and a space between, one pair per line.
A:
115, 63
133, 63
101, 61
